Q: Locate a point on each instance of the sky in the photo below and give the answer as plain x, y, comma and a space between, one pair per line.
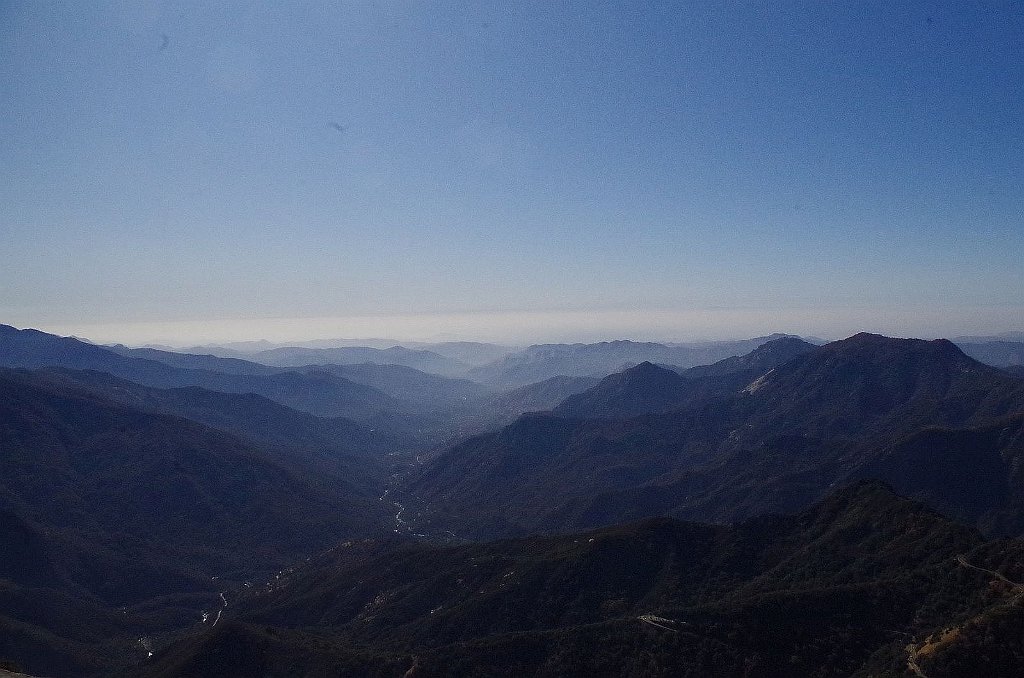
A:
529, 171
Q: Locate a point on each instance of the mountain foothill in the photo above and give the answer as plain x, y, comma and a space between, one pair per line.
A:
765, 507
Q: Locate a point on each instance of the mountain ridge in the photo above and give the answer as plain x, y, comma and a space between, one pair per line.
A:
812, 421
542, 361
320, 394
648, 388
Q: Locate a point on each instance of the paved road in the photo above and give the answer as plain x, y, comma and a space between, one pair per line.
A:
221, 610
962, 561
660, 622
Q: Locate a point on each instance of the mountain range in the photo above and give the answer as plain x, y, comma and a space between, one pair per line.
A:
165, 513
316, 392
539, 362
649, 388
427, 361
744, 445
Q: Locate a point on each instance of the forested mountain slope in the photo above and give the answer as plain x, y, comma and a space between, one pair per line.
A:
776, 443
858, 582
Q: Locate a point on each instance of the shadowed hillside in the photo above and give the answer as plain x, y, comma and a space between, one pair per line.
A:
106, 506
842, 586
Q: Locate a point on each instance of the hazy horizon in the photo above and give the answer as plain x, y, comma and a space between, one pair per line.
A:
525, 328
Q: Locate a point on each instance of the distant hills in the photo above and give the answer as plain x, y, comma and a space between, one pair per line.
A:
1004, 336
586, 360
452, 358
319, 393
998, 353
468, 352
415, 405
292, 434
506, 366
472, 353
415, 387
505, 407
427, 361
196, 361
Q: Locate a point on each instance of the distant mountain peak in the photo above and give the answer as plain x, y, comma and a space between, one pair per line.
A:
646, 375
779, 341
647, 369
881, 339
783, 347
886, 348
639, 389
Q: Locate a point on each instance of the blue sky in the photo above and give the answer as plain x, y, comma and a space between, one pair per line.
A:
655, 170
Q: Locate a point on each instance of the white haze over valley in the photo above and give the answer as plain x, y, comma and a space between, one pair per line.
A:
521, 328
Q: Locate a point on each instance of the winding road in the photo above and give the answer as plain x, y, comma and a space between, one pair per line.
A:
961, 560
220, 611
